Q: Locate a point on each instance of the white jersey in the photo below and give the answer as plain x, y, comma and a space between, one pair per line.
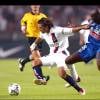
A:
85, 33
57, 38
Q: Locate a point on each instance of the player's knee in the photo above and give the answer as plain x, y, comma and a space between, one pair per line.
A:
67, 61
61, 72
36, 62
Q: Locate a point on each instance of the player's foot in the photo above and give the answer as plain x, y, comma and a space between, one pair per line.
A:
82, 91
68, 85
21, 64
42, 81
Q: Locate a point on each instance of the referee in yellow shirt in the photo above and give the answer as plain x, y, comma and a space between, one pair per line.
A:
29, 28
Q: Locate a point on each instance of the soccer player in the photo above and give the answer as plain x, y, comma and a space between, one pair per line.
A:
91, 49
55, 36
29, 28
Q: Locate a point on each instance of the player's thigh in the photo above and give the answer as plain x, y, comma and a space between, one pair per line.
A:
60, 60
48, 60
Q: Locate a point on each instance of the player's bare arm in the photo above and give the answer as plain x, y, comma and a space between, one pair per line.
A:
77, 29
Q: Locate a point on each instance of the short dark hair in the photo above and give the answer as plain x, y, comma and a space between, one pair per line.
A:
96, 16
45, 22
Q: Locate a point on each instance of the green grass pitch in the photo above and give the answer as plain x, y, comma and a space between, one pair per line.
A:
9, 73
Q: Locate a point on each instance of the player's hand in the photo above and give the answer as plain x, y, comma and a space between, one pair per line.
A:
23, 29
85, 26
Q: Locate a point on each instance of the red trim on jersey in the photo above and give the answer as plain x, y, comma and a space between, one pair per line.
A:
93, 34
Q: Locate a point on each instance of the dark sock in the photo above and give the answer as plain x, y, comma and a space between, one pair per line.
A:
70, 80
25, 60
38, 72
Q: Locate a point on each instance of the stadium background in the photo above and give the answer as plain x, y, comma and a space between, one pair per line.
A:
12, 42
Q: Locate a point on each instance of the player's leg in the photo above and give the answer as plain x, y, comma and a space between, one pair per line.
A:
62, 73
38, 71
74, 58
85, 53
38, 63
70, 60
73, 72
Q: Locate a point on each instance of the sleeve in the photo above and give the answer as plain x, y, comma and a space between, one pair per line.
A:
43, 15
67, 31
23, 20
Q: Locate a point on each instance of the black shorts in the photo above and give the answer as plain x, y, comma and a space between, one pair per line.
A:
43, 47
31, 40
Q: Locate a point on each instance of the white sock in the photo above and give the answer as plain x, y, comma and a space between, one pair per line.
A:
73, 71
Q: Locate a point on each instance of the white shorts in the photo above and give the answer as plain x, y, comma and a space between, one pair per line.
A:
55, 59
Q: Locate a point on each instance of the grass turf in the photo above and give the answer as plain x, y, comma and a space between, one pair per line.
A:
9, 73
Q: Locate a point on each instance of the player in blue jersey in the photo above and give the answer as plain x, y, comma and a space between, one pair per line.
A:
91, 49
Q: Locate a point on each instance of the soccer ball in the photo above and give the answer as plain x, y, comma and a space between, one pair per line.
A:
14, 89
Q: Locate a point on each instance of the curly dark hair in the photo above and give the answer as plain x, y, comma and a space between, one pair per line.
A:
96, 16
45, 22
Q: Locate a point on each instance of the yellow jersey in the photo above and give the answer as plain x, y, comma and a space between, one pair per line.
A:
31, 21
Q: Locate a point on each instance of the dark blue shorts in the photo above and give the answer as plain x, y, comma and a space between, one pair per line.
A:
88, 52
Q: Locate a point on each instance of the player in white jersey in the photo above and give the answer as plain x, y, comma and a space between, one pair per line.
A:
56, 38
60, 40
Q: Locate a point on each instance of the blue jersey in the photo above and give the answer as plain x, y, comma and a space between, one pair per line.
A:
94, 36
91, 49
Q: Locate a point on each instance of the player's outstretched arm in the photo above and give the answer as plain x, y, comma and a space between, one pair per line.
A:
78, 28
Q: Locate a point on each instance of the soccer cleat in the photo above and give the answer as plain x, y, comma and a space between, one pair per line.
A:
68, 85
21, 64
82, 91
42, 81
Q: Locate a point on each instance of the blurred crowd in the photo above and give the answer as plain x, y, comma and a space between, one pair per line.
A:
10, 17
